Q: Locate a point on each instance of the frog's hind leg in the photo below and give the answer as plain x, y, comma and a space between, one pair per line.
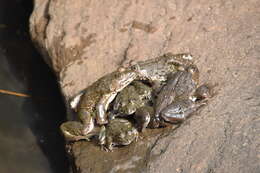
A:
179, 111
72, 131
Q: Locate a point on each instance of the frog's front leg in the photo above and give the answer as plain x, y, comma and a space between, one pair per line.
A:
87, 120
105, 141
102, 107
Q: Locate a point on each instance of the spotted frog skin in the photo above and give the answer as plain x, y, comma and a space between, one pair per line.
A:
132, 97
117, 132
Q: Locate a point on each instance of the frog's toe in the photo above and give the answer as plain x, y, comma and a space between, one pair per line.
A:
106, 148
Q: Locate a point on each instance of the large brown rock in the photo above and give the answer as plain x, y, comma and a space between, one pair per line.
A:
83, 40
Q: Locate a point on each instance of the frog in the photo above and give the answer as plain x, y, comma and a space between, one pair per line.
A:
179, 84
178, 99
94, 102
118, 132
95, 99
134, 96
156, 72
176, 112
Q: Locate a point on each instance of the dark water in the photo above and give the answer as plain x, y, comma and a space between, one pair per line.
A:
29, 137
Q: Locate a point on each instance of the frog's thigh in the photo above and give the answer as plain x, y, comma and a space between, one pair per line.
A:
173, 113
102, 106
72, 130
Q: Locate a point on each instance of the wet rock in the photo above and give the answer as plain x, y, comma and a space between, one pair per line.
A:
84, 40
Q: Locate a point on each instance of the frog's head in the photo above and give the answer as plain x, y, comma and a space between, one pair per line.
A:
127, 138
122, 78
128, 107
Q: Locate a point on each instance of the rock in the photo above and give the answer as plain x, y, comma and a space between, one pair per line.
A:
86, 39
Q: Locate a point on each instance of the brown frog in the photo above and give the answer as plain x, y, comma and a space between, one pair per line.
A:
96, 98
178, 98
179, 84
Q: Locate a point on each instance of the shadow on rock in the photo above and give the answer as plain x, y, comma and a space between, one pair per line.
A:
45, 109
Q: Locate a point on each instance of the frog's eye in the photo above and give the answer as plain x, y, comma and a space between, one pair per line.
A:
135, 67
193, 69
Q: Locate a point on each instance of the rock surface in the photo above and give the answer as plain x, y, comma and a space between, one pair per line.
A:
86, 39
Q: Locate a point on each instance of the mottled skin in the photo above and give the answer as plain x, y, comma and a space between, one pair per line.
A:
132, 97
179, 84
96, 98
117, 132
178, 98
156, 70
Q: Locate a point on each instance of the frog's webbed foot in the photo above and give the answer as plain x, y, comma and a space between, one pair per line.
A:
104, 148
205, 92
107, 148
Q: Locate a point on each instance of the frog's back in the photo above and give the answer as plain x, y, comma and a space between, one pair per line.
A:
157, 69
89, 99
